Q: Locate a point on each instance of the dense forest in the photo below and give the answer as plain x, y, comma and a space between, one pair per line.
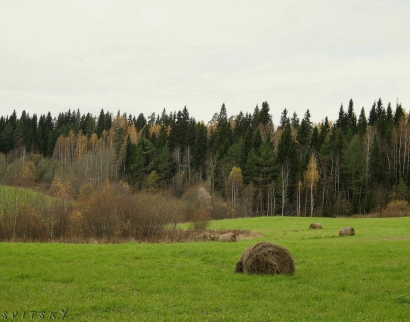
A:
353, 165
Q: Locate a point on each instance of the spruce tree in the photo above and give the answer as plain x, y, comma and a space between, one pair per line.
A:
295, 121
141, 122
398, 114
264, 116
373, 118
251, 171
315, 140
200, 149
284, 119
164, 164
376, 166
256, 117
351, 119
362, 123
100, 123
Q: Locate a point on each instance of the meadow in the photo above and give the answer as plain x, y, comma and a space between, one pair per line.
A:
356, 278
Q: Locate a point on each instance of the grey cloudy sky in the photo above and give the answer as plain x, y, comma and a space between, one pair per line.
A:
144, 56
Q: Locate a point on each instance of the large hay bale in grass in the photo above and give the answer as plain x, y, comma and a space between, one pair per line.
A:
229, 237
315, 225
265, 258
346, 231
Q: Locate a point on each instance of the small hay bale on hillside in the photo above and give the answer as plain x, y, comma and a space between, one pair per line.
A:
265, 258
346, 231
315, 225
229, 237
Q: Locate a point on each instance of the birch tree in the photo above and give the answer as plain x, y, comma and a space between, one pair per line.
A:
234, 185
311, 177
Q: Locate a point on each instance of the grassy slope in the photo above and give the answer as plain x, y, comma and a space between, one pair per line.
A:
23, 195
359, 278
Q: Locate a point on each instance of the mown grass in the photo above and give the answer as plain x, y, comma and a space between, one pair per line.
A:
358, 278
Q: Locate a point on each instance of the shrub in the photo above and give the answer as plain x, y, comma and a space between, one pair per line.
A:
200, 219
396, 208
86, 191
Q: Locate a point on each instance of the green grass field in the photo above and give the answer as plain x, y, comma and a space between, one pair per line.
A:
357, 278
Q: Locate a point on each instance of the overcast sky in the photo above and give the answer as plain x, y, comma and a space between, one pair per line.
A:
144, 56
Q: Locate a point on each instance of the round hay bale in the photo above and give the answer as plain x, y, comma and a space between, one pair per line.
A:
229, 237
315, 225
265, 258
346, 231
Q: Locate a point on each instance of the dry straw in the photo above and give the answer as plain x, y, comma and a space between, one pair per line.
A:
229, 237
265, 258
315, 225
346, 231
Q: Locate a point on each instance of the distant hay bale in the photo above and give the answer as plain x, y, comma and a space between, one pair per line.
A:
346, 231
229, 237
265, 258
315, 225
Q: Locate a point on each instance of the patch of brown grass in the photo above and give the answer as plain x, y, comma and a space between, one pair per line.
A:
167, 236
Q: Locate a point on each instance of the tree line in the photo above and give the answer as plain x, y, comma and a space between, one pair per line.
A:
353, 165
